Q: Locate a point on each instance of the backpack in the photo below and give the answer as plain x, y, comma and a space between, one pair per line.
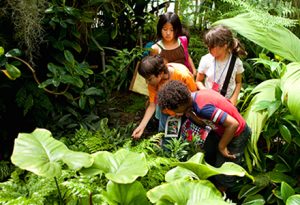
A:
184, 42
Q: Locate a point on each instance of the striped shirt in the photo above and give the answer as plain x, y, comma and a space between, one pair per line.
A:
213, 108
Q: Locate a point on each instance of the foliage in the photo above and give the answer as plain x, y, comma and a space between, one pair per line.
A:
273, 112
5, 170
20, 189
121, 169
185, 180
115, 74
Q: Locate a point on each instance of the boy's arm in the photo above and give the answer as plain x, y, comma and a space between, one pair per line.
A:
231, 126
137, 133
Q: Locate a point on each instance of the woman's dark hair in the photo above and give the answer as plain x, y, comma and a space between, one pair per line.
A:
171, 18
173, 94
152, 65
221, 35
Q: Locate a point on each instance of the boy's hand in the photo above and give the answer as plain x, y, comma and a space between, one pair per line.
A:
224, 151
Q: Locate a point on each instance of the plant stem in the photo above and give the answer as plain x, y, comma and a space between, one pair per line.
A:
58, 190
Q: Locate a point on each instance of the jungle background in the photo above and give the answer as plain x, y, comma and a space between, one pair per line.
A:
66, 66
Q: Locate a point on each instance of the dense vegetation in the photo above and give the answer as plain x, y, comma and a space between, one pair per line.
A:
62, 63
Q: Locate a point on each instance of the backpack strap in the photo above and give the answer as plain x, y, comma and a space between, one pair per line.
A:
184, 42
228, 75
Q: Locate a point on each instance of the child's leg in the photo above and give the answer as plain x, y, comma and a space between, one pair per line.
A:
211, 148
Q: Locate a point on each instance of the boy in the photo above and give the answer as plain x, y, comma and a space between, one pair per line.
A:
218, 112
156, 73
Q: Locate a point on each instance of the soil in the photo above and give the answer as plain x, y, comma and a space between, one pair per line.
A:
124, 108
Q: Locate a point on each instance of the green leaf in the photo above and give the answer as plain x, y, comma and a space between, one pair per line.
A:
278, 177
290, 84
202, 170
55, 69
186, 192
293, 200
126, 194
82, 102
1, 50
286, 191
285, 133
73, 45
13, 71
249, 190
262, 105
41, 154
14, 52
93, 91
123, 167
69, 57
265, 91
74, 80
254, 200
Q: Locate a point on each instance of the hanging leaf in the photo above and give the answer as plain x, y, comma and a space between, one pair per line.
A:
13, 71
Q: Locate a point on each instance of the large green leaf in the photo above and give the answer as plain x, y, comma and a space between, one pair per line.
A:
290, 84
293, 200
275, 38
122, 167
41, 154
126, 194
199, 169
286, 191
183, 192
265, 91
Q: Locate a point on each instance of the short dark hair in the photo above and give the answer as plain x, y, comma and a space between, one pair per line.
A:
173, 94
171, 18
152, 65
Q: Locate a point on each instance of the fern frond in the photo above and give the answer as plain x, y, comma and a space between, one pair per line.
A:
258, 11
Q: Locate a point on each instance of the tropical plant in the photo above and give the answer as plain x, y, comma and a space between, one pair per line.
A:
273, 112
283, 43
46, 157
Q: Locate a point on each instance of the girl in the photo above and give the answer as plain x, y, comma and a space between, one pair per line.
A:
169, 46
213, 66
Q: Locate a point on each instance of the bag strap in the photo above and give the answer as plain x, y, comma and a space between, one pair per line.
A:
228, 75
183, 40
